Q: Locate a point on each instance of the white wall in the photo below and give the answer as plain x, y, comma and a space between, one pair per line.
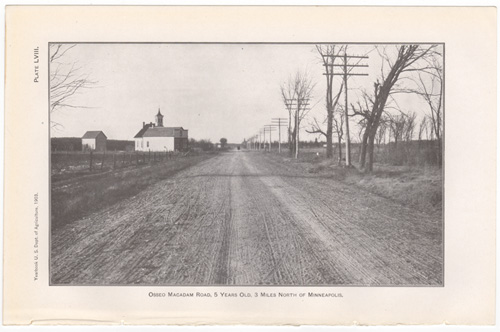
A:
138, 142
155, 144
88, 141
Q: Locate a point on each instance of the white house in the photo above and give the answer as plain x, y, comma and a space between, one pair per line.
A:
155, 137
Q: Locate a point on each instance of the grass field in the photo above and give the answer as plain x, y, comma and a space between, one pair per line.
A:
65, 164
420, 187
80, 192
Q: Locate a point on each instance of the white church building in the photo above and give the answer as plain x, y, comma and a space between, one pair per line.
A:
155, 137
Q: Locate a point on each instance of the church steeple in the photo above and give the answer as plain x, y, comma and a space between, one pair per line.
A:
159, 119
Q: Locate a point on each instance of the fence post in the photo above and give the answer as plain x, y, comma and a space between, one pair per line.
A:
91, 160
114, 160
103, 158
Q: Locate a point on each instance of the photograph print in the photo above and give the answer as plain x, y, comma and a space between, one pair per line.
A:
246, 164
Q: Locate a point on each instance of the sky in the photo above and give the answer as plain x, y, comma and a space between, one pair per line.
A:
213, 90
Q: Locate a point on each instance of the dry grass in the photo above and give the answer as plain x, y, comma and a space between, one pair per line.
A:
420, 187
80, 196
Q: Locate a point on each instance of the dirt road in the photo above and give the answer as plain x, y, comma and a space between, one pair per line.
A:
241, 218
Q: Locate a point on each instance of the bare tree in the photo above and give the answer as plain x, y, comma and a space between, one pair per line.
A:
410, 124
361, 130
408, 131
338, 127
66, 80
423, 132
422, 128
397, 125
408, 58
328, 53
381, 132
362, 109
296, 94
331, 121
430, 88
288, 94
223, 143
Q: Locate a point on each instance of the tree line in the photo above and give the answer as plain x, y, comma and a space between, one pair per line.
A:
405, 69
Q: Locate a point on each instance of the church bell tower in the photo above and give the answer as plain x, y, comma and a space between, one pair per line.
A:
159, 119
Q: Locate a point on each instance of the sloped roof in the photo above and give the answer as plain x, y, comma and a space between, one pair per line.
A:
93, 134
164, 132
141, 132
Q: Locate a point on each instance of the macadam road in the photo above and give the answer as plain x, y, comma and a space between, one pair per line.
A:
241, 218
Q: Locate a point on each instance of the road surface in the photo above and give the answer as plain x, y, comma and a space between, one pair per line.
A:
242, 218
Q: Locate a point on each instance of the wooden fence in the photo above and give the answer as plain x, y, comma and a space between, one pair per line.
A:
67, 162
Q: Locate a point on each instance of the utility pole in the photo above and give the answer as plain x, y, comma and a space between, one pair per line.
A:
346, 72
289, 104
297, 131
264, 139
270, 129
250, 143
301, 104
279, 122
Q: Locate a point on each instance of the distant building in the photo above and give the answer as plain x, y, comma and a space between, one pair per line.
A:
155, 137
94, 141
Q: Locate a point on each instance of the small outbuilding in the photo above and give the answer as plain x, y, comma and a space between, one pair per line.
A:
94, 141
